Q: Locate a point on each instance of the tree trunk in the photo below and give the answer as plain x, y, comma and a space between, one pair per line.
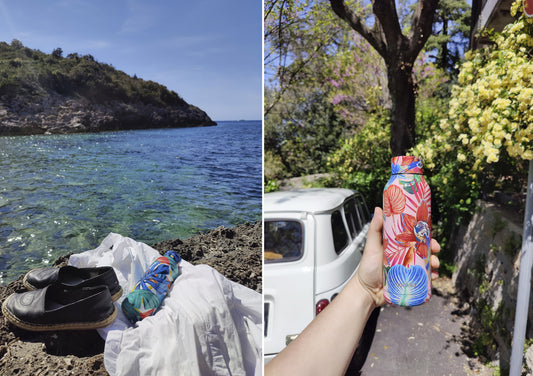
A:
399, 52
402, 91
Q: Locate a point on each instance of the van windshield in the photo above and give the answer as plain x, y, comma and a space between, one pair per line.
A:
283, 241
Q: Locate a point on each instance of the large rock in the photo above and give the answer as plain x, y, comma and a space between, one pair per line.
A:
234, 252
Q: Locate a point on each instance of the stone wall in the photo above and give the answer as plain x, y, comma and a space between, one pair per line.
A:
488, 260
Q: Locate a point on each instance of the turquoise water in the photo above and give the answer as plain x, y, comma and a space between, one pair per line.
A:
62, 193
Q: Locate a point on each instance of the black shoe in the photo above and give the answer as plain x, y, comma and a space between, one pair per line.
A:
72, 277
57, 308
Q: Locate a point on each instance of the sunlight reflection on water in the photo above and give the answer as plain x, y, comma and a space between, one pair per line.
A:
65, 193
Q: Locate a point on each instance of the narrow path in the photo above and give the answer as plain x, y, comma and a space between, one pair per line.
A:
423, 340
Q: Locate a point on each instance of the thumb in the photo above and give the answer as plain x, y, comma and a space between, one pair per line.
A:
374, 237
370, 272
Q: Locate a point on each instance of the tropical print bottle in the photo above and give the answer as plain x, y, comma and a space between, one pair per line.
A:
147, 295
406, 234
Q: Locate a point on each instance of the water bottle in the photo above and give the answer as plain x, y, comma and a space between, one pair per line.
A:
406, 234
148, 294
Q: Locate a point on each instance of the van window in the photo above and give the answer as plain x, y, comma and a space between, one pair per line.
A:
362, 204
340, 236
352, 218
283, 241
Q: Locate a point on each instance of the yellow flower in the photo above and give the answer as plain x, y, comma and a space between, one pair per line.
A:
463, 138
501, 103
493, 157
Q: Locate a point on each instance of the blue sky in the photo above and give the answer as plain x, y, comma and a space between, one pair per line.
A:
208, 51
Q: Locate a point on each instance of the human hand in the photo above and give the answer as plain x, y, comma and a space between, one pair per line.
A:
370, 274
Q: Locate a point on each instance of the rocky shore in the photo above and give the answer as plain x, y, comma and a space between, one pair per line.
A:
234, 252
55, 113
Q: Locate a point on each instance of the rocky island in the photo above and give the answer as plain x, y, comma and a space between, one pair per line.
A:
47, 93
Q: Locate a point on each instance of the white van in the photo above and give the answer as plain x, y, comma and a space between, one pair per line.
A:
313, 242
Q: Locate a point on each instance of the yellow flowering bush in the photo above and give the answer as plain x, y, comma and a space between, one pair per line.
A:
485, 139
491, 110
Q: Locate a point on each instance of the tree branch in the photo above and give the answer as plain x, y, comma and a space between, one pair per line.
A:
373, 36
269, 8
287, 83
385, 12
421, 25
280, 29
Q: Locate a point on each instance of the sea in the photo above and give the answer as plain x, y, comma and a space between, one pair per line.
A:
66, 193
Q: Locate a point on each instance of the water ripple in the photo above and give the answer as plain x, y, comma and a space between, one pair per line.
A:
65, 193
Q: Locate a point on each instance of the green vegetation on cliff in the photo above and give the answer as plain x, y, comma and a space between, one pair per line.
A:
32, 73
49, 93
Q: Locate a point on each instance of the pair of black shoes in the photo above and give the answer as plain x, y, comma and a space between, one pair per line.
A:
66, 298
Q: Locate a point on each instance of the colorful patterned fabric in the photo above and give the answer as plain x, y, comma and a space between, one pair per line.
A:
406, 234
147, 295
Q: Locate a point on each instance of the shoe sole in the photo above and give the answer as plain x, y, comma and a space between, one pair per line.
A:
53, 327
116, 296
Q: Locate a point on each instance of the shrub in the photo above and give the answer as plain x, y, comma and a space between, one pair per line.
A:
362, 162
57, 53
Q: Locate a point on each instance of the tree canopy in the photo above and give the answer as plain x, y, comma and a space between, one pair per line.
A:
314, 60
450, 37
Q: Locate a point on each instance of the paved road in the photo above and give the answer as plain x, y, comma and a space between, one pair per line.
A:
421, 340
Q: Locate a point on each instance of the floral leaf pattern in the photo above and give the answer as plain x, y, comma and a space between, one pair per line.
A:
406, 233
393, 201
407, 286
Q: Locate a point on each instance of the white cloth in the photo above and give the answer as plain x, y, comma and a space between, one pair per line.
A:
207, 325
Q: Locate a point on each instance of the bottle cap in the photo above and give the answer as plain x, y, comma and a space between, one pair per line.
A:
406, 164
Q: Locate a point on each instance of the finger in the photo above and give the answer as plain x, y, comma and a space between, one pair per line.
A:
435, 246
377, 221
435, 263
374, 236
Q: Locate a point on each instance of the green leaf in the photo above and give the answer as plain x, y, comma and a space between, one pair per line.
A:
386, 269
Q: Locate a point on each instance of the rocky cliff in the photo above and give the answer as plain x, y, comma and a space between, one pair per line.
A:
57, 114
48, 93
